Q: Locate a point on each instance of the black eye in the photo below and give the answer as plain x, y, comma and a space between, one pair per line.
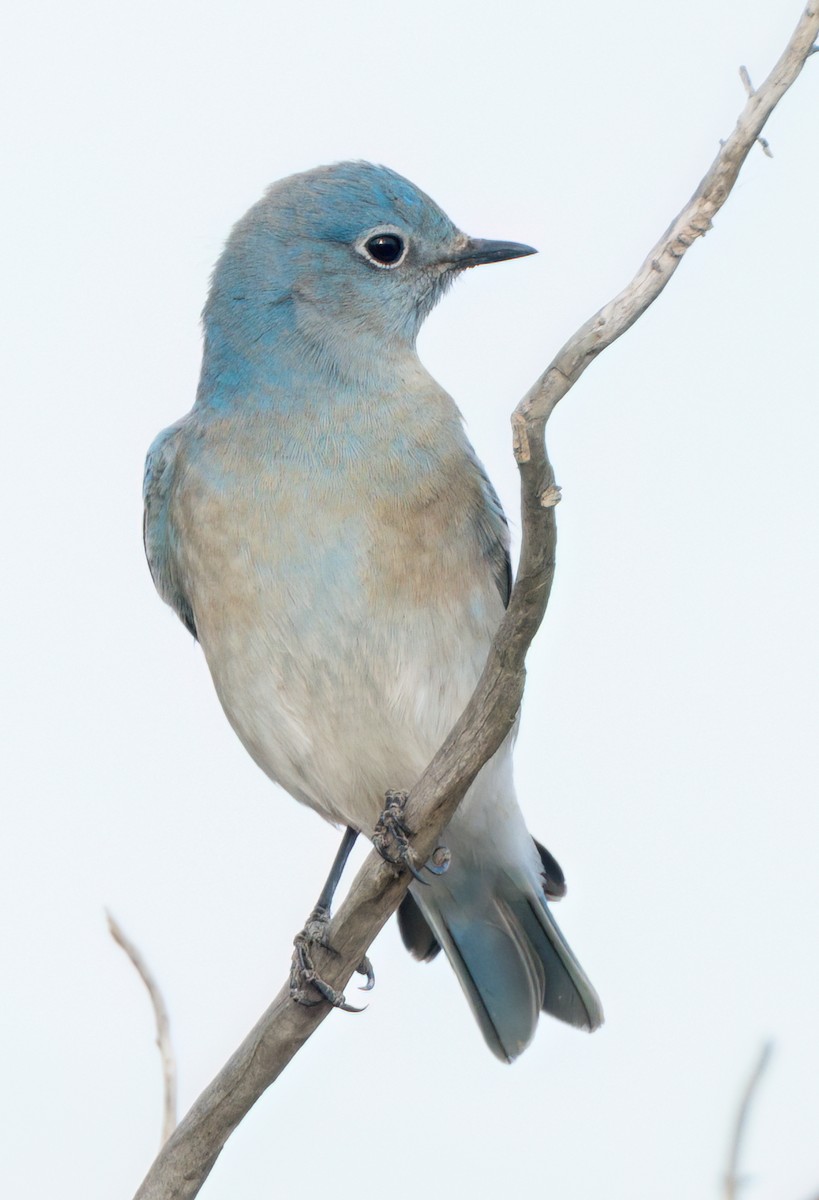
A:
385, 248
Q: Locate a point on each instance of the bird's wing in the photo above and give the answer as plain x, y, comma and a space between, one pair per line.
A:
493, 534
160, 475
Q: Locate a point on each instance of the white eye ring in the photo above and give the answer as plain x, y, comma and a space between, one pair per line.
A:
387, 238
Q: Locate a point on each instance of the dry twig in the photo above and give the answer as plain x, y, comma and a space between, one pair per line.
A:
733, 1180
187, 1158
163, 1027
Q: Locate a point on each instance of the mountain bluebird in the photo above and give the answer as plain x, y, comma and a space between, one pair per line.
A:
321, 524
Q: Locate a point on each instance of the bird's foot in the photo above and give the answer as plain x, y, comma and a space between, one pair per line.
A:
391, 835
305, 980
391, 840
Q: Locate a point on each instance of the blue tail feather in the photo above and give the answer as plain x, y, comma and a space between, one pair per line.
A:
510, 958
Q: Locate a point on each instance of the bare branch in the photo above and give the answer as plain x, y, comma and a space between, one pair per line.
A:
692, 222
163, 1027
733, 1180
190, 1153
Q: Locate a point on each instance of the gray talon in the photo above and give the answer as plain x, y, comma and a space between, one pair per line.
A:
332, 996
365, 967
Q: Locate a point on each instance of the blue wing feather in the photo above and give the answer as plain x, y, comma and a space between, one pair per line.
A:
493, 535
160, 475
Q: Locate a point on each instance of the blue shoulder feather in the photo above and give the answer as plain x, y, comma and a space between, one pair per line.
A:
160, 472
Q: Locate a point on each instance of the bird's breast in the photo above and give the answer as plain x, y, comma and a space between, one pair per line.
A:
343, 605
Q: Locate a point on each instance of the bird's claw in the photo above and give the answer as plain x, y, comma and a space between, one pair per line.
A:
365, 967
303, 973
438, 864
391, 840
391, 836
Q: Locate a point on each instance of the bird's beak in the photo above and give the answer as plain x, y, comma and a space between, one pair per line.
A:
476, 251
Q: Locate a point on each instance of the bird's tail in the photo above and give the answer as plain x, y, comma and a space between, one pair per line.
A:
506, 949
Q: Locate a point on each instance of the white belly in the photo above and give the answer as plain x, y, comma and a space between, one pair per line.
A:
339, 720
341, 673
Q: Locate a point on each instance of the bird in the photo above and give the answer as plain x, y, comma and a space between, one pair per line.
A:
322, 526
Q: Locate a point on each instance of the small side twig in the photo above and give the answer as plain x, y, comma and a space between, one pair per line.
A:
163, 1027
733, 1179
750, 91
744, 75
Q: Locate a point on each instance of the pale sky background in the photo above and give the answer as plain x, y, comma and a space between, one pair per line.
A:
669, 749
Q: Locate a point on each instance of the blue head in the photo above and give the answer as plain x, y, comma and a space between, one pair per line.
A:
336, 268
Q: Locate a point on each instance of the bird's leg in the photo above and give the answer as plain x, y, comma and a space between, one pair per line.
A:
391, 839
325, 900
303, 975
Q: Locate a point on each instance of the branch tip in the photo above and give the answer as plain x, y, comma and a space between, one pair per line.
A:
746, 82
733, 1179
163, 1025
